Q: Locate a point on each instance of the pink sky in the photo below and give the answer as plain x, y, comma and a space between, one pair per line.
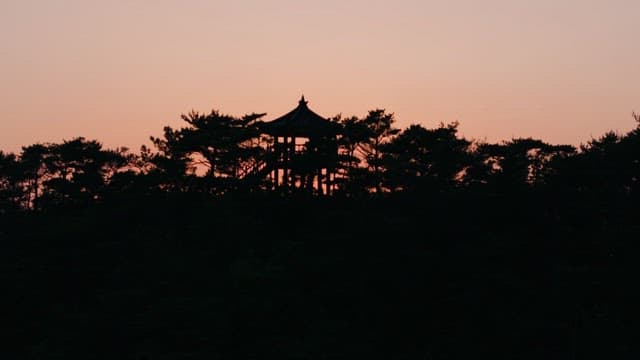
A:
118, 71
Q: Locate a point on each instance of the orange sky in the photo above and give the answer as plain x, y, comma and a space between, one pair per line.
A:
118, 71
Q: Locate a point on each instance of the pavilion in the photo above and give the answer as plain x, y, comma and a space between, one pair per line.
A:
303, 152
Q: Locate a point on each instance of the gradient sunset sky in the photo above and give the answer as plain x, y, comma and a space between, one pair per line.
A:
118, 71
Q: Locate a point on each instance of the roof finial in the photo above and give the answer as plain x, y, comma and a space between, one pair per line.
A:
303, 101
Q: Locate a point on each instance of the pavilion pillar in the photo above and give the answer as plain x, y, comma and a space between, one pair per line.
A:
275, 177
276, 160
292, 155
285, 162
327, 177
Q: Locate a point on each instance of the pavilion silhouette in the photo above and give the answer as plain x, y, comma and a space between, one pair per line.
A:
302, 154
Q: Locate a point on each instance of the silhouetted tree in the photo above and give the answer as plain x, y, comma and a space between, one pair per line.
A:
10, 190
379, 130
520, 162
79, 170
224, 146
420, 158
33, 170
352, 135
609, 164
170, 168
631, 147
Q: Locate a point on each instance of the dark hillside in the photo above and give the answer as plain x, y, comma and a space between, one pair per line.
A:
455, 276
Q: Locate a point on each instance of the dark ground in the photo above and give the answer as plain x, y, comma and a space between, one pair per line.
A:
427, 277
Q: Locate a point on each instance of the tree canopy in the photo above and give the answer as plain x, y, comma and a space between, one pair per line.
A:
219, 154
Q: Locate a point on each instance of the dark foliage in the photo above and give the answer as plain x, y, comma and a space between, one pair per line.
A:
431, 247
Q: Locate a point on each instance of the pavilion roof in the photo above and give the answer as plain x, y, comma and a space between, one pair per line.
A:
302, 122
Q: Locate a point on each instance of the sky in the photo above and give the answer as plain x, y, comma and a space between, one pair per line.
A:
118, 71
